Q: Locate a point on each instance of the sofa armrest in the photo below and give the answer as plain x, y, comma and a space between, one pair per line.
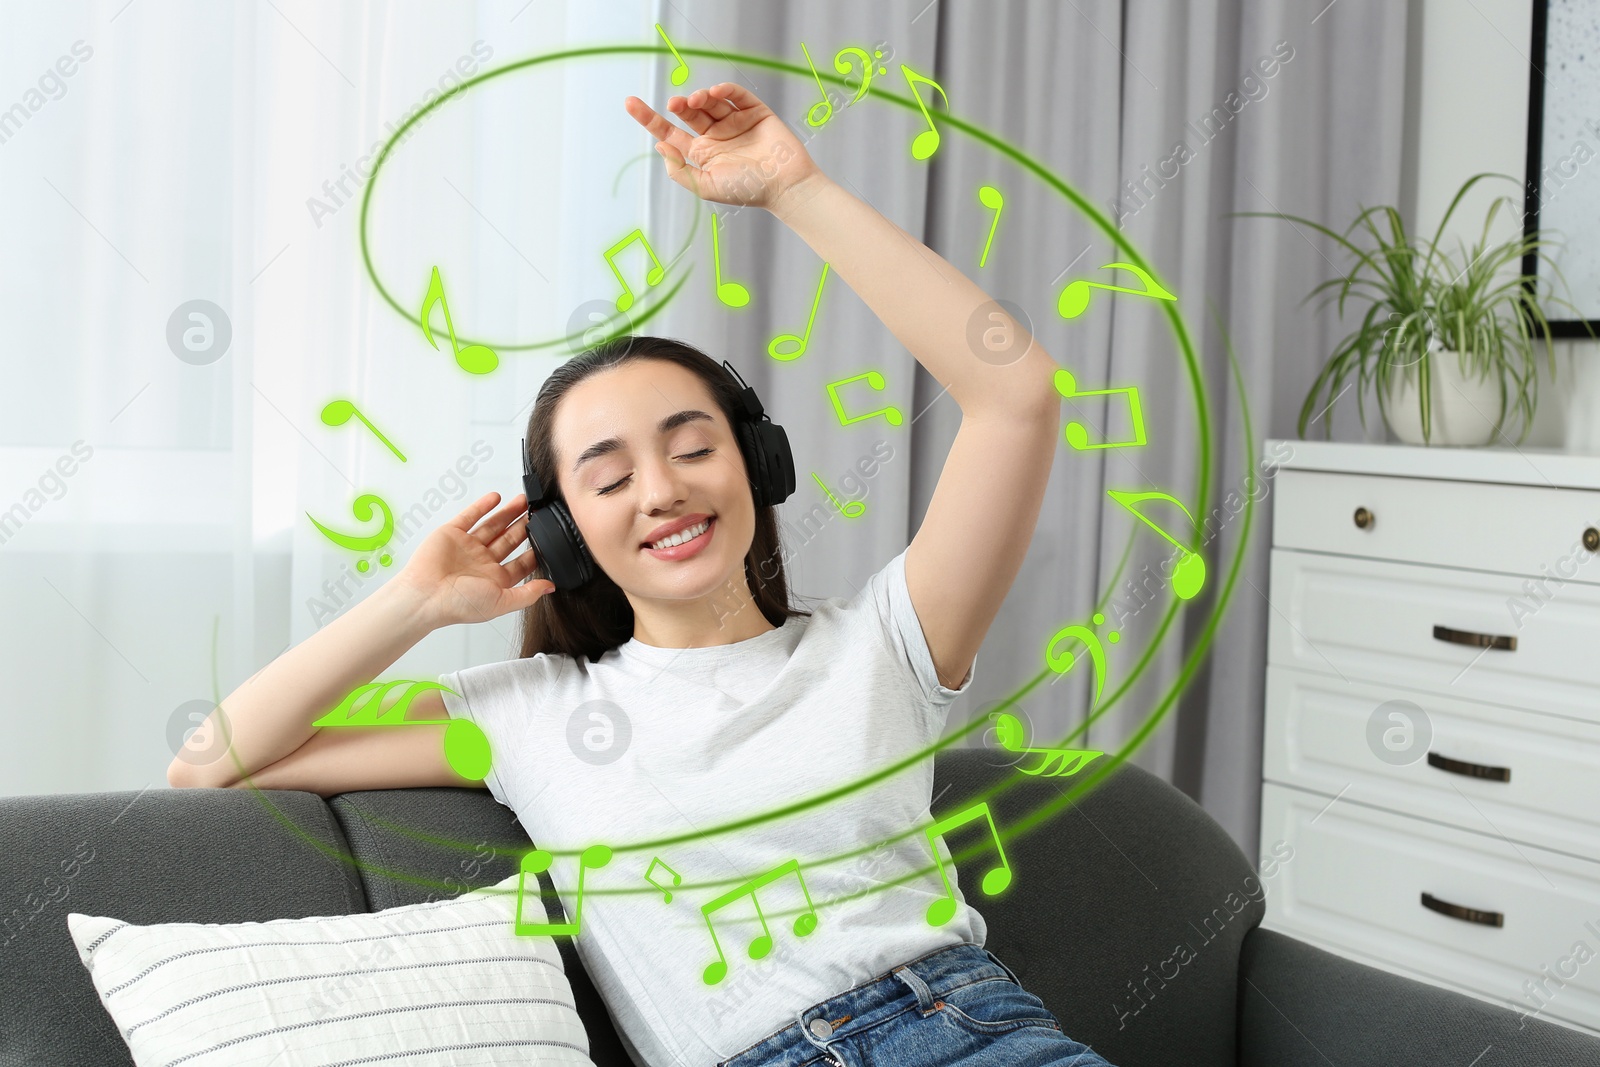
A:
1300, 1006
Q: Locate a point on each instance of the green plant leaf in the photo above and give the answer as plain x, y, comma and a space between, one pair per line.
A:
1419, 294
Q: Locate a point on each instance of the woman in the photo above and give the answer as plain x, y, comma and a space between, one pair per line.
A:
677, 690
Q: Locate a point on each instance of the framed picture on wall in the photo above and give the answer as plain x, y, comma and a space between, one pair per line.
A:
1564, 154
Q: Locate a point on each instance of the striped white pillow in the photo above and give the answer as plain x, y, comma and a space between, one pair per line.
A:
439, 983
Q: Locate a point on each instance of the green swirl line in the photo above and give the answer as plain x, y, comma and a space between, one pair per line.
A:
1084, 783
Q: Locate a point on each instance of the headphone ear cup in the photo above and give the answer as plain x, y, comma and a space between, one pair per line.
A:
755, 462
580, 549
774, 461
560, 546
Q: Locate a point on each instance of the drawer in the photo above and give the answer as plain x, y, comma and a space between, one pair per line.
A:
1374, 621
1356, 881
1318, 737
1515, 529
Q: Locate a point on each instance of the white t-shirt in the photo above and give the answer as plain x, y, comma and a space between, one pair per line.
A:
690, 739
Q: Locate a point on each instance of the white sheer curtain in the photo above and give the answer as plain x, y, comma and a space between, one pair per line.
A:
1100, 92
202, 151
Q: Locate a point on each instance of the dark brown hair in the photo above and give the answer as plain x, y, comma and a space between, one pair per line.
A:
597, 616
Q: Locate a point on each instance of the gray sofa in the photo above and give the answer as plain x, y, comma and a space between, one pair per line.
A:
1102, 894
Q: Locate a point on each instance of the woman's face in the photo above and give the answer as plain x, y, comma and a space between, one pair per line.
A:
643, 448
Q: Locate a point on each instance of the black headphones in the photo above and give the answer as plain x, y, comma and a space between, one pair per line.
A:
555, 537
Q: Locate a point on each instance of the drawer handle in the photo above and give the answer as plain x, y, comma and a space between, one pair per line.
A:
1466, 915
1591, 539
1467, 637
1470, 770
1365, 519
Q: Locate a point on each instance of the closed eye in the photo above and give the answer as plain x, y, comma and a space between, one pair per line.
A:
614, 486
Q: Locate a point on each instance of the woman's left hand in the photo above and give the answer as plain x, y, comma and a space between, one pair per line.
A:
743, 154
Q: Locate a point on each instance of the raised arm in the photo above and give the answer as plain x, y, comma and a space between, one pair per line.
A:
980, 520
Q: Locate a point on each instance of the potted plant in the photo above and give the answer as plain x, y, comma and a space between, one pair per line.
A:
1447, 343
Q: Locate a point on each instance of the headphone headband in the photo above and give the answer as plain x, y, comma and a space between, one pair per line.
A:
747, 396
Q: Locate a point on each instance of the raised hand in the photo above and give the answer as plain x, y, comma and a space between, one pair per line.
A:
459, 573
740, 151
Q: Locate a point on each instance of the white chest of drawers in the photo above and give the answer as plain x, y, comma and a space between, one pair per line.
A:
1432, 737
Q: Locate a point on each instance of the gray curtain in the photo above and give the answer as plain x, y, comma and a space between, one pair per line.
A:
1101, 92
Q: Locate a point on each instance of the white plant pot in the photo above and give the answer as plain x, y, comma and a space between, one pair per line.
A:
1465, 409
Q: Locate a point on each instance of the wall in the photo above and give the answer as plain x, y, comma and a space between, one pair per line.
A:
1470, 114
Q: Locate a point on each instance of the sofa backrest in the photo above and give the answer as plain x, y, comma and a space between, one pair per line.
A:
1102, 892
163, 855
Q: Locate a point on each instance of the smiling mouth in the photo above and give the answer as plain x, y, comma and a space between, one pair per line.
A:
683, 537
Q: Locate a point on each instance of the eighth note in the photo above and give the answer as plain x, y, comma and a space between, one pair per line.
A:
1189, 576
363, 509
652, 276
1074, 299
339, 412
731, 293
677, 879
761, 944
943, 910
1062, 661
990, 198
1075, 434
474, 359
875, 380
925, 143
851, 510
776, 346
680, 73
536, 863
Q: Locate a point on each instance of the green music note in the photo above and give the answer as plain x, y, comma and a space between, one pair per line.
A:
474, 359
1061, 661
990, 198
677, 879
852, 510
943, 910
827, 105
731, 293
761, 944
466, 748
536, 863
1074, 299
1009, 732
654, 275
339, 412
875, 380
783, 341
868, 67
680, 73
1076, 435
363, 508
925, 143
1189, 576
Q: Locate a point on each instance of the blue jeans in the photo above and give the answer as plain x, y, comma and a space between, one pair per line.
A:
956, 1005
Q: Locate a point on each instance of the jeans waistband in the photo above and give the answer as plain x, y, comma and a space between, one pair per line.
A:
929, 977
